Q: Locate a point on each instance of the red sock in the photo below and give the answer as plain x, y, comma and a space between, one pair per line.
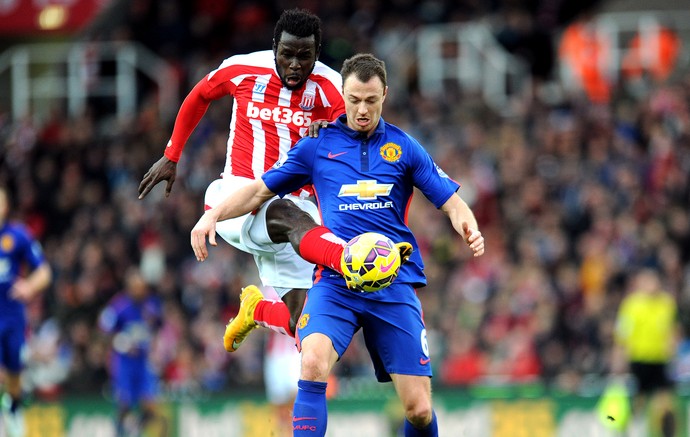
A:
321, 246
274, 315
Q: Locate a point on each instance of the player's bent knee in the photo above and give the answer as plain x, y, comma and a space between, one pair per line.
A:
284, 210
315, 366
284, 217
318, 356
419, 412
420, 420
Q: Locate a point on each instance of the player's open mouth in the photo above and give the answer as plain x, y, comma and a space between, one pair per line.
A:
292, 80
363, 121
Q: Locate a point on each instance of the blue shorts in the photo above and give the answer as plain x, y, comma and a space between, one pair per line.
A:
133, 381
12, 340
391, 321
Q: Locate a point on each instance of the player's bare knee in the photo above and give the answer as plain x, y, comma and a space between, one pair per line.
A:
314, 367
419, 412
283, 210
287, 221
280, 207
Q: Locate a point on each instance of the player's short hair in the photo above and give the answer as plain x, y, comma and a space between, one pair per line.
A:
298, 22
364, 66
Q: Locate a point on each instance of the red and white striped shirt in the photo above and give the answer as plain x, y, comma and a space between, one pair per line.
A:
267, 118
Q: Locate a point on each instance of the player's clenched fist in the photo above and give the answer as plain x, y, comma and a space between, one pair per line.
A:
474, 239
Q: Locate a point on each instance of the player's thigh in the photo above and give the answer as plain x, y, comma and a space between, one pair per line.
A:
248, 232
142, 383
279, 265
318, 357
395, 335
123, 387
149, 388
413, 390
289, 218
284, 270
327, 312
230, 230
284, 214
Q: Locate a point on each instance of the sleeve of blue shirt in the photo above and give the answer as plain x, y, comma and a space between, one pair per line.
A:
32, 253
295, 171
433, 182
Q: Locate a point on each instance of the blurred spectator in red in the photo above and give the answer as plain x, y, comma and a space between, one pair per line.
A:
654, 53
465, 363
584, 51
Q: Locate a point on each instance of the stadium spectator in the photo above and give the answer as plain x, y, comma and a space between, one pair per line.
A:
582, 50
654, 53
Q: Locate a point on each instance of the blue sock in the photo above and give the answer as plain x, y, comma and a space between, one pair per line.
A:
310, 413
431, 430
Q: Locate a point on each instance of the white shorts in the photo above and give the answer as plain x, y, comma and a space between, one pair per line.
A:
279, 265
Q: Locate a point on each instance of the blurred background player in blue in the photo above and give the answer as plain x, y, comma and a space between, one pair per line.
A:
18, 251
132, 318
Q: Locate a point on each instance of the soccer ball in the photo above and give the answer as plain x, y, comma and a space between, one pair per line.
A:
370, 262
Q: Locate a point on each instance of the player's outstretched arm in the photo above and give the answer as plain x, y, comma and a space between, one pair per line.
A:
162, 170
191, 112
465, 223
238, 203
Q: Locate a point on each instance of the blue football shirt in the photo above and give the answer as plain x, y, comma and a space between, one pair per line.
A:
18, 250
365, 184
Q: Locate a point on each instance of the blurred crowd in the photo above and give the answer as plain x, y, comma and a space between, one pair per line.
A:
572, 199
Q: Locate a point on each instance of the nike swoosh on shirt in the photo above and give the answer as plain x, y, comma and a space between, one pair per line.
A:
424, 361
332, 155
297, 419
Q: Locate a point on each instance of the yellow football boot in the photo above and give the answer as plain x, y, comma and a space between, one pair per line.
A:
239, 327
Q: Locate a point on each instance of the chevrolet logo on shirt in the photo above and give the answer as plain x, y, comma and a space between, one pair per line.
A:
365, 190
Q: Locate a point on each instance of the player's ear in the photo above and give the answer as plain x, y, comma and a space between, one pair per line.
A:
275, 46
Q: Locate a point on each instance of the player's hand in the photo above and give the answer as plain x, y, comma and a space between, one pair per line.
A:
473, 238
316, 126
162, 170
205, 226
22, 291
405, 250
